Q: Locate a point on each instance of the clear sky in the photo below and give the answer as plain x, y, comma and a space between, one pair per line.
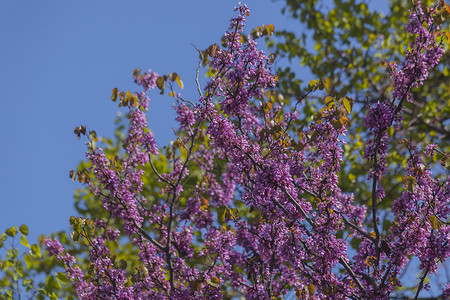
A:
59, 61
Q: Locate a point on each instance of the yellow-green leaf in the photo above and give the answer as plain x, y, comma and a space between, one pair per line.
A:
28, 261
62, 277
23, 229
93, 136
327, 85
347, 104
434, 222
24, 241
35, 250
11, 231
312, 85
221, 212
75, 236
329, 101
180, 82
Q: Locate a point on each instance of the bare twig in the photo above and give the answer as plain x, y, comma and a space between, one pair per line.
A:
199, 90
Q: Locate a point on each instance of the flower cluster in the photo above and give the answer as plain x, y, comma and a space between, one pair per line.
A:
419, 211
248, 205
423, 53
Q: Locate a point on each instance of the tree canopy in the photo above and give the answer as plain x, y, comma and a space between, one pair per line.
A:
326, 189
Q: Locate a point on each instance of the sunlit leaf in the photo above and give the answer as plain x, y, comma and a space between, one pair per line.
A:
348, 104
312, 85
11, 231
35, 250
28, 261
24, 241
180, 82
329, 101
93, 135
327, 84
434, 222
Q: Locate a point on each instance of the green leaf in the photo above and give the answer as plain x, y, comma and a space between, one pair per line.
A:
347, 104
35, 250
312, 85
62, 277
11, 231
50, 283
53, 296
93, 136
28, 261
3, 237
221, 212
235, 212
327, 85
23, 229
40, 296
27, 281
12, 254
24, 241
92, 145
434, 222
317, 46
123, 264
270, 29
329, 101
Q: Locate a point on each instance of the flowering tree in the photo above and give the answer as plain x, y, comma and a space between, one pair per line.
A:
247, 201
344, 42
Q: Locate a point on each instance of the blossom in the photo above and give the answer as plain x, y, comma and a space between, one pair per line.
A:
246, 201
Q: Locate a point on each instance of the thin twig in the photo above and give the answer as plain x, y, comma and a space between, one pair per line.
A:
198, 71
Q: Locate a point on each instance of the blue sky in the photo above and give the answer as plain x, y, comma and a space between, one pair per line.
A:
59, 61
